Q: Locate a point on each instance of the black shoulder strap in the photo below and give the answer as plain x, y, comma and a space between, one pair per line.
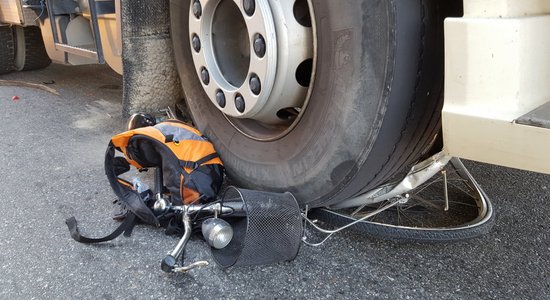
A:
126, 227
207, 158
132, 199
128, 196
195, 164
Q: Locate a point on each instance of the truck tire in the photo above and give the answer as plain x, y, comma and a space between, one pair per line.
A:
30, 53
6, 49
150, 81
372, 108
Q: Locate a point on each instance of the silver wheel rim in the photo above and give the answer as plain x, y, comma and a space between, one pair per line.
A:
482, 205
262, 91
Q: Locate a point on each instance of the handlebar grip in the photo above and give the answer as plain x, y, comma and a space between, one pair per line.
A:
168, 264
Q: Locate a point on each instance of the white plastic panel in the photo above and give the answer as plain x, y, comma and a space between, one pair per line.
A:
10, 12
497, 69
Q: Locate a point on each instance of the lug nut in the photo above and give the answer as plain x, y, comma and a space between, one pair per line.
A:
239, 103
196, 43
205, 77
220, 98
255, 84
249, 7
259, 45
197, 9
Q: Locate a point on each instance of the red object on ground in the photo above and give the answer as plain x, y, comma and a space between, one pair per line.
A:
15, 98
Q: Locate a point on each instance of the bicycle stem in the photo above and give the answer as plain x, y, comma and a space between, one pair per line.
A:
169, 263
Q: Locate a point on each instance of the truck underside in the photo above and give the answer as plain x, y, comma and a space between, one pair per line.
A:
326, 99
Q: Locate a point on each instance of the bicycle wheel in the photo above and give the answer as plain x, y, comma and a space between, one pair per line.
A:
425, 214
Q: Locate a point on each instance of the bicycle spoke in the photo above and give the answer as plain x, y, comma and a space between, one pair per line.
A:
422, 215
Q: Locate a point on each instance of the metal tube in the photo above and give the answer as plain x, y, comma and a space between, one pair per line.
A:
446, 190
95, 28
53, 24
419, 174
169, 263
234, 209
158, 181
331, 232
381, 209
183, 241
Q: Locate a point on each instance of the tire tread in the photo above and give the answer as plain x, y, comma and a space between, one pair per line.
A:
382, 231
36, 56
6, 50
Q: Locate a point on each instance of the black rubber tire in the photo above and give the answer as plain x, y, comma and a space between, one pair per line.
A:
31, 53
389, 232
150, 81
374, 109
6, 49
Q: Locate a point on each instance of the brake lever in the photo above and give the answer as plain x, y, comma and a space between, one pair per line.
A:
200, 263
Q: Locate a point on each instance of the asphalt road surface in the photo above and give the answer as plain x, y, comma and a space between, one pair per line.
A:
52, 151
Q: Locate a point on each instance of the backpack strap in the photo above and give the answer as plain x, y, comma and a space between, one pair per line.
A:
207, 158
114, 166
126, 194
195, 164
126, 227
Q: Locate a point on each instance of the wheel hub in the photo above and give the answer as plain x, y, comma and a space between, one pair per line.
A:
250, 56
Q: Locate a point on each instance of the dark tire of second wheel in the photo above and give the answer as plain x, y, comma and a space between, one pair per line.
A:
32, 54
6, 49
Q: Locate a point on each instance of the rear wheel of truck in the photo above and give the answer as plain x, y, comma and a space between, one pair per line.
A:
325, 99
6, 49
30, 53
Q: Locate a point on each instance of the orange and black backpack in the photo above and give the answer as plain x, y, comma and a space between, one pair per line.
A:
191, 171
